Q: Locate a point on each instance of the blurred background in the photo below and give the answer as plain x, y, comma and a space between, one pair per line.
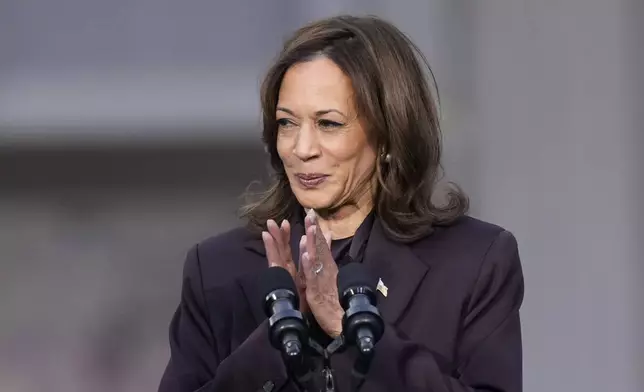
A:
129, 128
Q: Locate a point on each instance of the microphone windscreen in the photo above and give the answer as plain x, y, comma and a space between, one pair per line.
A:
275, 278
354, 275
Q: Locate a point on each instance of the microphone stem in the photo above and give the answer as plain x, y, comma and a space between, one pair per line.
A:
365, 341
291, 345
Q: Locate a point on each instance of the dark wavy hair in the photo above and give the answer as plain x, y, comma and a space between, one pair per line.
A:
390, 78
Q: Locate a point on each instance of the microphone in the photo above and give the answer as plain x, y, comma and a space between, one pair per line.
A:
287, 329
362, 324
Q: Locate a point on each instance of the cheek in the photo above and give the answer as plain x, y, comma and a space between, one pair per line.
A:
284, 150
353, 160
363, 167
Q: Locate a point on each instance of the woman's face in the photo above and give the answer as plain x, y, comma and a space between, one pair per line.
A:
325, 149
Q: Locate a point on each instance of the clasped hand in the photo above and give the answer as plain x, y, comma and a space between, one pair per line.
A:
316, 279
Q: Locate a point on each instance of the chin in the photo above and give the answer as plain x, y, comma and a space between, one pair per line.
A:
316, 202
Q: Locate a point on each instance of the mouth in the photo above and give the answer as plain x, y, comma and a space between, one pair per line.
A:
310, 180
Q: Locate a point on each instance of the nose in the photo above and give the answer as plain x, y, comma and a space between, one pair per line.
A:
306, 144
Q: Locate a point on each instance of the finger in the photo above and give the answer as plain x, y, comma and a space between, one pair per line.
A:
303, 244
307, 267
275, 231
321, 246
285, 228
302, 249
272, 254
310, 219
286, 233
310, 243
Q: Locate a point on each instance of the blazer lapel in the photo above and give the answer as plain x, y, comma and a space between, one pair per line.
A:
255, 245
248, 281
400, 270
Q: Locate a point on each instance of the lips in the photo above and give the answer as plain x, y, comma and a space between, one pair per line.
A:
310, 180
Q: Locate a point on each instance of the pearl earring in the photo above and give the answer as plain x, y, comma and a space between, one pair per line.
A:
385, 156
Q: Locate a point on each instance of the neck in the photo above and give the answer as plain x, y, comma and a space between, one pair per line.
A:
344, 222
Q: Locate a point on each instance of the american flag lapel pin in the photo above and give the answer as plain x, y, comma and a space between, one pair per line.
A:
382, 288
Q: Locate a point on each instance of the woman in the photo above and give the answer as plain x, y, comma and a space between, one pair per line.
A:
353, 136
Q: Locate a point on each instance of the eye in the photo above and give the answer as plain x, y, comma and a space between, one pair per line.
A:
284, 123
328, 124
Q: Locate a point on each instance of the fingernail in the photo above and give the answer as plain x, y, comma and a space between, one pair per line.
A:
265, 236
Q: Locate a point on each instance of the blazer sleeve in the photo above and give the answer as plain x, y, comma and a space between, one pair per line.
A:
489, 355
195, 365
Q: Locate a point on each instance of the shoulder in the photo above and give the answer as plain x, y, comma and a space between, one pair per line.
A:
227, 243
474, 233
469, 244
226, 256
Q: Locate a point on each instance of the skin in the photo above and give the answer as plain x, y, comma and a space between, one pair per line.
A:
320, 132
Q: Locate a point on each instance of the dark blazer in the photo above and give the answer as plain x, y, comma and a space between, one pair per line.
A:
451, 313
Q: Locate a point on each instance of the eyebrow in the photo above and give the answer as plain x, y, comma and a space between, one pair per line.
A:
318, 113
